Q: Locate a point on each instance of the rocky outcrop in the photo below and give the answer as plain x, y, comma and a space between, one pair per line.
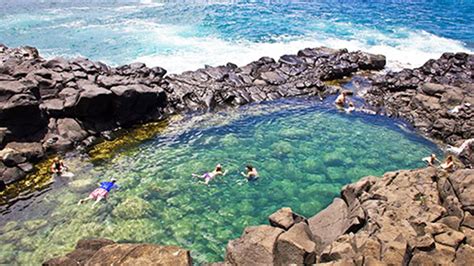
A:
409, 217
437, 98
60, 104
107, 252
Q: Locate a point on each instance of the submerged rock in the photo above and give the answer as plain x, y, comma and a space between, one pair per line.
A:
107, 252
133, 208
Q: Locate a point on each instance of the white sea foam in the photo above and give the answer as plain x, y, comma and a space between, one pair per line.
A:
194, 52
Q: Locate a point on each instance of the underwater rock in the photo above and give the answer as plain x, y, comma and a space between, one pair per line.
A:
33, 225
133, 208
107, 252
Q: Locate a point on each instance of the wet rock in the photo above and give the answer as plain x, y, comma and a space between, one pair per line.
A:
107, 252
255, 246
285, 218
140, 254
296, 246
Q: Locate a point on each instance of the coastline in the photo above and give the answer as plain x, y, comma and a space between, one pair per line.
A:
290, 77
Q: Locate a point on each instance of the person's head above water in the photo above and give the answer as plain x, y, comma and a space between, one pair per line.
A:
56, 159
219, 167
249, 167
113, 180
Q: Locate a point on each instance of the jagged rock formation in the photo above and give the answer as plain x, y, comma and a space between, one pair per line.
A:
437, 98
49, 106
411, 217
107, 252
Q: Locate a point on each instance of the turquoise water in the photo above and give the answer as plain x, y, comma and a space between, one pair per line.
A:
305, 152
185, 35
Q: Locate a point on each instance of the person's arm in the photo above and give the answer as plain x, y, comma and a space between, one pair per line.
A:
64, 167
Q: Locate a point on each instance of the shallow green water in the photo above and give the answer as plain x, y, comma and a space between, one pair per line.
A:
304, 152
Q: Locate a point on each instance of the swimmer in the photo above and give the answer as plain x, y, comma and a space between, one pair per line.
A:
101, 192
431, 160
341, 99
251, 174
58, 166
211, 175
351, 107
448, 164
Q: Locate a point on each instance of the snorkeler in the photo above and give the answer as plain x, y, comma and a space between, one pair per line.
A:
251, 174
211, 175
431, 160
58, 166
101, 192
448, 164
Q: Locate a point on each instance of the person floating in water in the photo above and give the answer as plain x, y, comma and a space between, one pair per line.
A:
211, 175
448, 164
58, 166
101, 192
251, 174
431, 160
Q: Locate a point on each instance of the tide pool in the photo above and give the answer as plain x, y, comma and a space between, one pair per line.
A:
186, 35
305, 152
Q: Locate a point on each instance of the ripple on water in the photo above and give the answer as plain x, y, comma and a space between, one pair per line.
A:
304, 152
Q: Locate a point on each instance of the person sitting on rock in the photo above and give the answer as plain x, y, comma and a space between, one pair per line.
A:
341, 99
251, 174
431, 160
101, 192
208, 176
58, 166
448, 164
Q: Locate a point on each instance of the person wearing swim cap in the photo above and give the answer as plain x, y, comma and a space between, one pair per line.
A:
102, 192
211, 175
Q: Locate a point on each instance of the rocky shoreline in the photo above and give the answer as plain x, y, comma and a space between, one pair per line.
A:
407, 217
53, 106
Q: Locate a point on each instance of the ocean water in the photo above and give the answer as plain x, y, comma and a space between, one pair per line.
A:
305, 152
186, 35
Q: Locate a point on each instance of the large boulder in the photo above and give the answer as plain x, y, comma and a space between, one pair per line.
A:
133, 102
463, 185
21, 115
255, 246
330, 223
94, 102
296, 246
